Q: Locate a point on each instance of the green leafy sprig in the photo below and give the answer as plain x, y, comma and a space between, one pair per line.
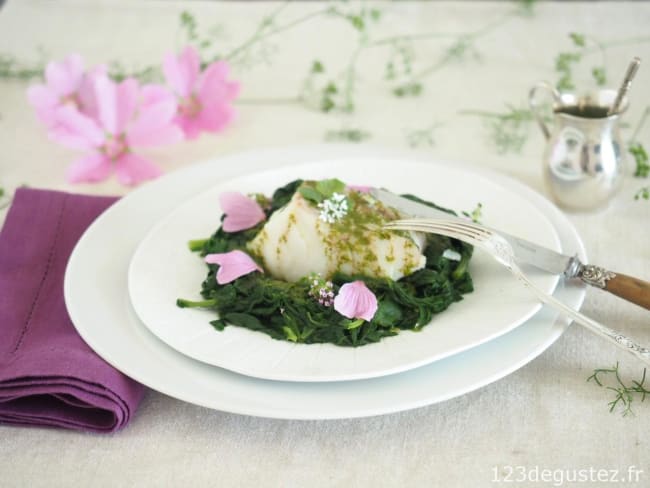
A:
12, 69
347, 135
583, 47
422, 137
337, 94
477, 214
319, 90
321, 190
624, 394
566, 61
640, 155
508, 130
643, 193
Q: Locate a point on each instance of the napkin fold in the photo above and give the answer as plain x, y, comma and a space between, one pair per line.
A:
48, 375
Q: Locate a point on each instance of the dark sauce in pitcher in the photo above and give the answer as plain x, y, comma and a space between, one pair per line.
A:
585, 112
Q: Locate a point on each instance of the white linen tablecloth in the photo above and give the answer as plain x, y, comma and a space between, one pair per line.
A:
544, 416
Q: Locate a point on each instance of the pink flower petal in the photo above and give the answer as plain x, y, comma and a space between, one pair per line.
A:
213, 85
154, 125
132, 169
191, 62
182, 71
152, 94
44, 102
127, 99
75, 130
218, 70
39, 95
241, 212
106, 95
64, 77
174, 75
161, 136
215, 118
91, 168
86, 92
232, 265
191, 126
360, 188
356, 301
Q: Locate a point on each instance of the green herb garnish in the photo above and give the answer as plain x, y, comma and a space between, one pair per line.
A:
643, 193
642, 169
624, 393
321, 190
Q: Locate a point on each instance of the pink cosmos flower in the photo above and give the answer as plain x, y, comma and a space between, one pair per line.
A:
108, 140
66, 83
203, 97
356, 301
232, 265
241, 212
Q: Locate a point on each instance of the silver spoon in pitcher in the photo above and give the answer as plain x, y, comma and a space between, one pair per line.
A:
625, 86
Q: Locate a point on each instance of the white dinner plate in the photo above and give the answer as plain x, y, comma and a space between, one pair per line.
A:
163, 269
104, 318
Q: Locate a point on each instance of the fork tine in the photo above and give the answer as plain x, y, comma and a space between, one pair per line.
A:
460, 226
479, 229
436, 227
425, 225
470, 231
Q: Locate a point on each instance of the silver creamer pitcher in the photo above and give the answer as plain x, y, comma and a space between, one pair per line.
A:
584, 155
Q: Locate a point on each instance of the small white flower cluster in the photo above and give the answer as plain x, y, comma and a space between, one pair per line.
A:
334, 208
320, 290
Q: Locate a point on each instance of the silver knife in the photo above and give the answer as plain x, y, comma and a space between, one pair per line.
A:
632, 289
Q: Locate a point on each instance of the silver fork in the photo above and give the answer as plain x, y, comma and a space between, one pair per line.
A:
501, 250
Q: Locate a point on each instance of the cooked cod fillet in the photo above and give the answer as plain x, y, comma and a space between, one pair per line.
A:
296, 242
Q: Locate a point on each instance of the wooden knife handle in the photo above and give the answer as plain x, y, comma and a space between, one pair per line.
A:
631, 289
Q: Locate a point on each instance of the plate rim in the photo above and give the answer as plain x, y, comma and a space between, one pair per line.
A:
285, 351
281, 409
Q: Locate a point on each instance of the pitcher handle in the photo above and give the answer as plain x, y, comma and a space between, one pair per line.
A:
534, 107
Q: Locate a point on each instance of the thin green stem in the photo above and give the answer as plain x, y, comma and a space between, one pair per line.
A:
604, 45
266, 21
624, 394
411, 37
350, 79
498, 22
469, 39
481, 113
258, 35
197, 245
183, 303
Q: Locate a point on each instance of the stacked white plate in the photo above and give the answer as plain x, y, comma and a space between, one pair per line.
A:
132, 263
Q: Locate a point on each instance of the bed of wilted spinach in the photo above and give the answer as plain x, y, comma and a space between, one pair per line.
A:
285, 310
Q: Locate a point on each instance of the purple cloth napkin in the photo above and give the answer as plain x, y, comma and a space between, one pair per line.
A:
48, 375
